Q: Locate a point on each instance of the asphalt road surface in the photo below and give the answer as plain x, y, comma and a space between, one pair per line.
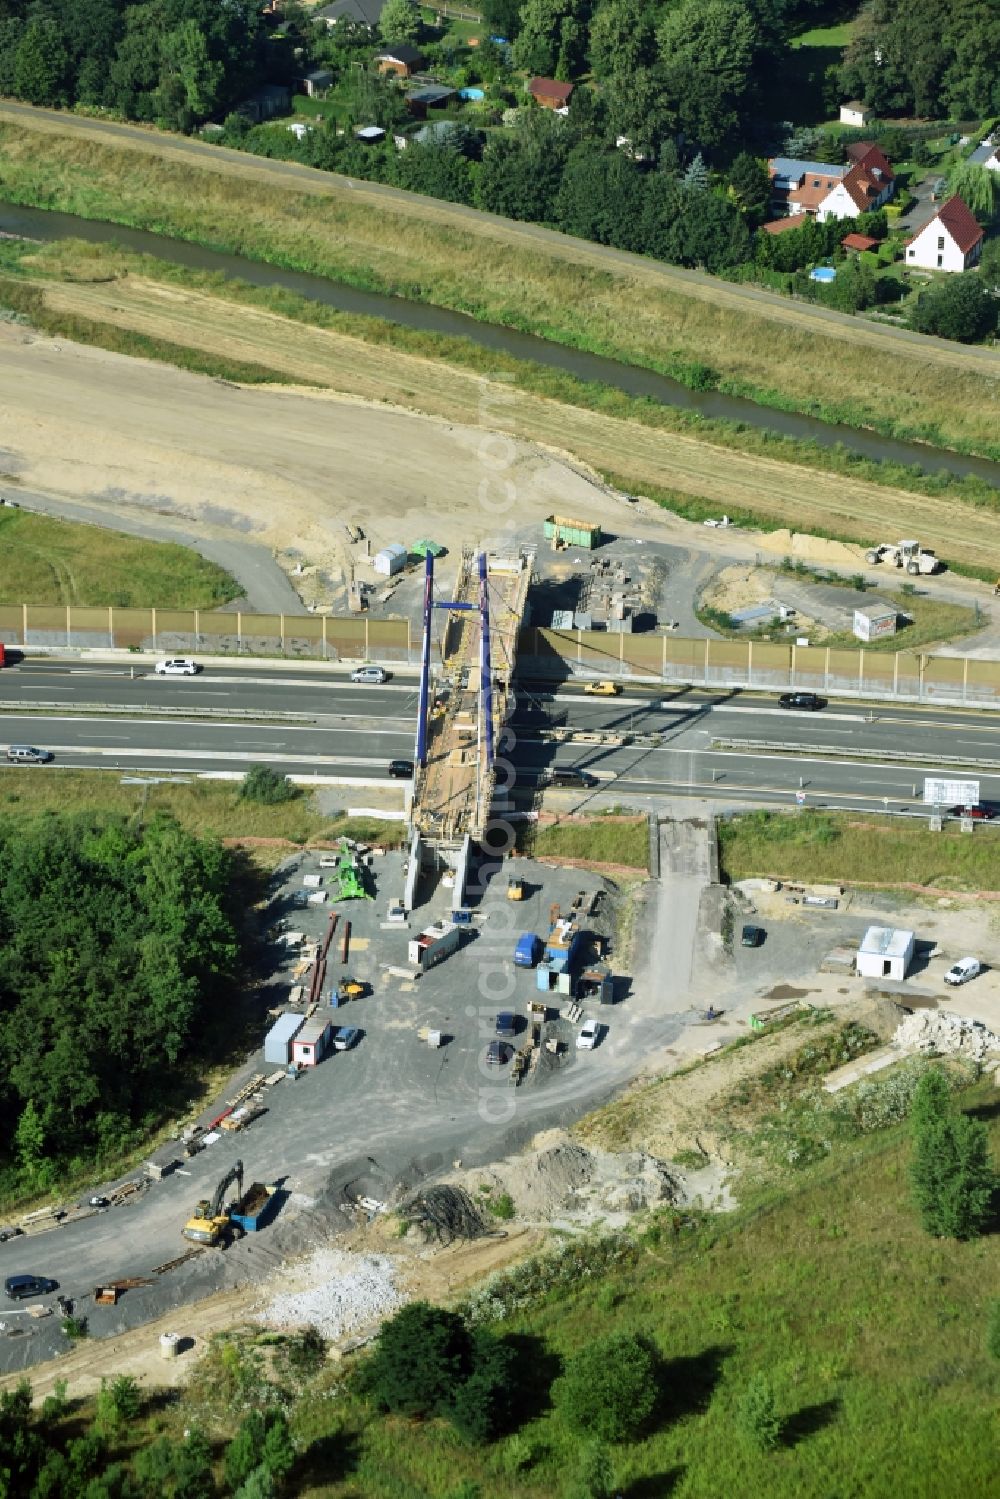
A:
320, 723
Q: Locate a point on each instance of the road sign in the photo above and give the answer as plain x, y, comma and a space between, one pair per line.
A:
939, 792
800, 798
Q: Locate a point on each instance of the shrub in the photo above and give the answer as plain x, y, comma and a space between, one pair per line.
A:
428, 1363
757, 1413
609, 1388
262, 784
502, 1206
951, 1175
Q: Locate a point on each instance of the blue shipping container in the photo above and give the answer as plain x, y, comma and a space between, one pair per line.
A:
528, 950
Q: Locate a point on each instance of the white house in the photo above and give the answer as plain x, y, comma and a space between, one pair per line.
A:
885, 953
951, 241
992, 163
867, 184
854, 113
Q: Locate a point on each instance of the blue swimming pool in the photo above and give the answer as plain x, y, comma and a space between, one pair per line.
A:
471, 93
823, 273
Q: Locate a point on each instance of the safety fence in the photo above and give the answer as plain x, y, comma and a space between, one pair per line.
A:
909, 676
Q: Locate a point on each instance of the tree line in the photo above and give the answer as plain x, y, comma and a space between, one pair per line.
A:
172, 62
118, 953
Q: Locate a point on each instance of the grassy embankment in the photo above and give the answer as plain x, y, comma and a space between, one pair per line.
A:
702, 331
104, 295
205, 807
49, 561
605, 840
871, 1333
844, 847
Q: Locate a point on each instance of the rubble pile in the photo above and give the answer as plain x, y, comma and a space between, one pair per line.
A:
343, 1293
943, 1033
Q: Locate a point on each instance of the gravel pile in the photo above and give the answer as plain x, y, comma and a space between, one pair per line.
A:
947, 1034
344, 1293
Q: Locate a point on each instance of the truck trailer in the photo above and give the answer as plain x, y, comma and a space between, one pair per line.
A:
253, 1210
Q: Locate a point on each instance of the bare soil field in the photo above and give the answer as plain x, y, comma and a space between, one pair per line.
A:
289, 467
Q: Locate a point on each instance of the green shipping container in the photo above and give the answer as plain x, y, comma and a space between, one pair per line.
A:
574, 533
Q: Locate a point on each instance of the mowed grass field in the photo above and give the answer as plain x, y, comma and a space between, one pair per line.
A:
754, 342
48, 561
838, 847
607, 840
634, 445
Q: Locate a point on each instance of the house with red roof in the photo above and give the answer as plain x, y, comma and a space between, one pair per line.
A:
549, 93
868, 183
951, 241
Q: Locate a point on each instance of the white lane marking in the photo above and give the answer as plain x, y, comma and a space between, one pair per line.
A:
189, 723
154, 754
791, 713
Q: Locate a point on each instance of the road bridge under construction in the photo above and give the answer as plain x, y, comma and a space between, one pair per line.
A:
463, 706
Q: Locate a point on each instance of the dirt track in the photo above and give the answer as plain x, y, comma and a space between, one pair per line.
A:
289, 467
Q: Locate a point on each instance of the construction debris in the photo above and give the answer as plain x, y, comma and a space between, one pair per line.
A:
446, 1213
944, 1033
343, 1293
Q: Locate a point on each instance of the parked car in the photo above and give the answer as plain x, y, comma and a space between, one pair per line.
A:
506, 1024
979, 813
499, 1053
807, 701
602, 689
20, 1287
401, 770
962, 971
177, 666
589, 1035
374, 675
581, 778
346, 1036
28, 754
10, 1232
753, 936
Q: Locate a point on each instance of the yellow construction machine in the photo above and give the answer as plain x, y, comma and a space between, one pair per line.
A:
210, 1223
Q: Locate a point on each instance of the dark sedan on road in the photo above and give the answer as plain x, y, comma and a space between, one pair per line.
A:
808, 702
580, 778
401, 770
20, 1287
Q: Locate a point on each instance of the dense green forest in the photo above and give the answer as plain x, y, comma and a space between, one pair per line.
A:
118, 951
173, 61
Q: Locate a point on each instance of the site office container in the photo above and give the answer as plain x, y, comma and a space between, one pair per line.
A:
278, 1041
312, 1042
433, 944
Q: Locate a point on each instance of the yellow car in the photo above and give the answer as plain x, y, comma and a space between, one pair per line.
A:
602, 689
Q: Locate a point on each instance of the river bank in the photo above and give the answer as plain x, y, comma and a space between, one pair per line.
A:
708, 333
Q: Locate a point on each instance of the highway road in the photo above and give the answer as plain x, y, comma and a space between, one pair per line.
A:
320, 723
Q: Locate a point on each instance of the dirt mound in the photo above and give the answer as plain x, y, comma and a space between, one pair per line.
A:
785, 543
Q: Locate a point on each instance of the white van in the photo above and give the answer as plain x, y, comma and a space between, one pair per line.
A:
373, 674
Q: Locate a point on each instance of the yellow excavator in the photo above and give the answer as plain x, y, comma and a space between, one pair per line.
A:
210, 1222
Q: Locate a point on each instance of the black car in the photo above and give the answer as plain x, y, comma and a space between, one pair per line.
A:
499, 1053
401, 770
20, 1287
581, 778
808, 701
752, 936
506, 1024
